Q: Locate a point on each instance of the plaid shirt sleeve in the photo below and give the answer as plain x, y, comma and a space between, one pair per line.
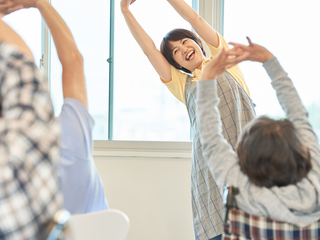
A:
29, 148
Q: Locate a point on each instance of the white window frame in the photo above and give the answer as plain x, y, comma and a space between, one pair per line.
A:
212, 12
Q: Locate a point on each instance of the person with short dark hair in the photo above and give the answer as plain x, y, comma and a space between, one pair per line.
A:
179, 64
279, 159
277, 165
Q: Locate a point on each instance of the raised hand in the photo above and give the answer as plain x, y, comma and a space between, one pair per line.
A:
9, 6
221, 62
257, 52
126, 3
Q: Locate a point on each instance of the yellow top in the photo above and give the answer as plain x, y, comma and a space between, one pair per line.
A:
177, 84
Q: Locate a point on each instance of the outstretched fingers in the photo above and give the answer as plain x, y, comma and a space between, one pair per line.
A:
236, 58
249, 40
258, 53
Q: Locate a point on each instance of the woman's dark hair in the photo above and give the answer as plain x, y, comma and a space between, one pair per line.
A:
176, 35
271, 153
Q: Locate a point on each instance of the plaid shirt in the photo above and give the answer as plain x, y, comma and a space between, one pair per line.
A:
242, 226
29, 148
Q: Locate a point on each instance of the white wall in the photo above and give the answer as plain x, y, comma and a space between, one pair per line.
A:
151, 185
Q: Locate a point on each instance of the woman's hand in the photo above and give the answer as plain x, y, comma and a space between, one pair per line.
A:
221, 62
257, 52
126, 3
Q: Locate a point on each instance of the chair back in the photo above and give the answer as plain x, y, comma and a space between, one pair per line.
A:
242, 226
109, 224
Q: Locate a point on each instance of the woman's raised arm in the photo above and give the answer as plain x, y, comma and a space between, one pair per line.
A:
205, 31
158, 61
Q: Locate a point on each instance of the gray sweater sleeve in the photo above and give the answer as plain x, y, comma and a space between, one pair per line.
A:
220, 156
293, 108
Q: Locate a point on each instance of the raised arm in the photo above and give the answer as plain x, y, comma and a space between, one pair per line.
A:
85, 194
147, 45
73, 80
205, 31
219, 154
287, 96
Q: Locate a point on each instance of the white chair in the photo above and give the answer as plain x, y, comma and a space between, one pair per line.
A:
104, 225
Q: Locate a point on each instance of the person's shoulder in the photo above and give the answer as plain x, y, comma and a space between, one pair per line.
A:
74, 110
222, 44
74, 103
177, 75
76, 129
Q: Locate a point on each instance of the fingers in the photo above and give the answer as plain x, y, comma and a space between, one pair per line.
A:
226, 59
132, 1
222, 54
238, 46
236, 59
4, 7
243, 57
235, 51
249, 40
233, 44
13, 9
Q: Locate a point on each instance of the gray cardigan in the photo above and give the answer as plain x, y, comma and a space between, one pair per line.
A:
297, 204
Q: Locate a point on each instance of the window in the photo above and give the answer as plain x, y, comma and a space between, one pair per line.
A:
289, 29
142, 108
89, 24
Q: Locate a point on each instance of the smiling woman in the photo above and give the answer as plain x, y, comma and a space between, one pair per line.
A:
176, 47
179, 65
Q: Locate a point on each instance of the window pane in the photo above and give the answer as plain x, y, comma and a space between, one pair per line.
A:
289, 29
144, 109
89, 24
27, 23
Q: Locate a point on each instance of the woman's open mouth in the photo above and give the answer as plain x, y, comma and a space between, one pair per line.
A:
190, 56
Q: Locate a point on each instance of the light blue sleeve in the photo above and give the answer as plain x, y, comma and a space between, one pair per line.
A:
80, 181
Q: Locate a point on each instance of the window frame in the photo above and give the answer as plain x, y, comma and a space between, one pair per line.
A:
212, 12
